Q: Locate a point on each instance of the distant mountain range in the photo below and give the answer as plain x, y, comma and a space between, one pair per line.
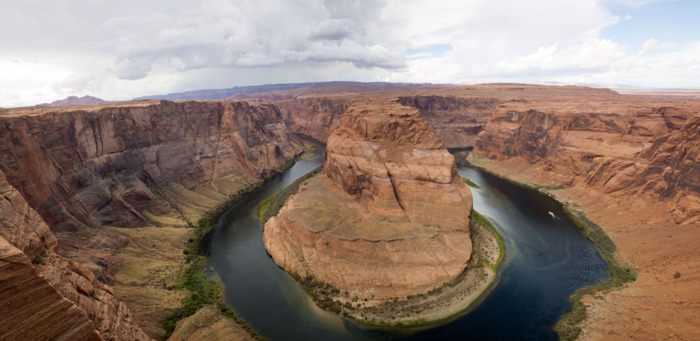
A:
256, 89
74, 100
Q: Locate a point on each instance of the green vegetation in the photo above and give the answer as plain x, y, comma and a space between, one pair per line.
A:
554, 188
499, 239
39, 260
567, 326
471, 183
321, 293
272, 206
461, 154
191, 277
202, 290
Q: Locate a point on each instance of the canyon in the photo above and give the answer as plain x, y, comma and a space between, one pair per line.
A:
388, 218
120, 182
630, 163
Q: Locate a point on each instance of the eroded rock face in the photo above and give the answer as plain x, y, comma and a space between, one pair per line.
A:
100, 166
314, 117
612, 148
45, 296
389, 217
669, 170
456, 120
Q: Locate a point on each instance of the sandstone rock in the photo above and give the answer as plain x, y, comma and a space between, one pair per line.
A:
31, 308
81, 168
20, 225
56, 298
389, 217
314, 117
456, 120
624, 148
103, 165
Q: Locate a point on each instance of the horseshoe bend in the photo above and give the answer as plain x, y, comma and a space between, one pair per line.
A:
103, 207
387, 219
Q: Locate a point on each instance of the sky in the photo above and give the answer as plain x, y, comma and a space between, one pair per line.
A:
118, 50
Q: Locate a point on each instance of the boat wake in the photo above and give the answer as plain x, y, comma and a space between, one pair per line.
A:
554, 216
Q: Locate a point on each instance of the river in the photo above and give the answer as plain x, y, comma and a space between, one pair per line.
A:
547, 258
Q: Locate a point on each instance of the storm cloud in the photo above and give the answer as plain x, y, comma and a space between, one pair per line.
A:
129, 48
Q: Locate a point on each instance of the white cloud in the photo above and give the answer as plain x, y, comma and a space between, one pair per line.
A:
654, 44
120, 50
635, 3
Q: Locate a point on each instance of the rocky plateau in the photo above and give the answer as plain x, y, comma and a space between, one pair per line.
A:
389, 216
121, 178
111, 180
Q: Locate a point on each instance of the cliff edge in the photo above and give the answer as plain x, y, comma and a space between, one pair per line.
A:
388, 218
45, 296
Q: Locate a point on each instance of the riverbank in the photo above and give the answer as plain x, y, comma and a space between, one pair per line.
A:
440, 304
203, 310
443, 303
661, 302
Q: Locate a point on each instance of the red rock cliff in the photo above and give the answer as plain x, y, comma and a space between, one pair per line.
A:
389, 217
456, 120
621, 148
100, 166
45, 296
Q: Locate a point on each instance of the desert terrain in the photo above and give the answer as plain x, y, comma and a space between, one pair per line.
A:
115, 184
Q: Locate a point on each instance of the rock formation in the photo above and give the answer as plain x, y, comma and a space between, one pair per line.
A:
73, 100
456, 120
624, 148
389, 217
99, 167
631, 164
314, 117
45, 296
125, 164
105, 165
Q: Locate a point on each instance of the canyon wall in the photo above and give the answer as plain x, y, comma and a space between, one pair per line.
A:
89, 169
313, 116
620, 149
456, 120
632, 165
82, 168
389, 216
45, 296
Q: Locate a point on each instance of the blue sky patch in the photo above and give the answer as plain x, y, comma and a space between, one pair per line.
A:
428, 51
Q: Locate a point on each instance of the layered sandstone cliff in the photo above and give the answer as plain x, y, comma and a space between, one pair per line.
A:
120, 164
456, 120
45, 296
148, 164
313, 116
614, 148
99, 166
631, 164
389, 217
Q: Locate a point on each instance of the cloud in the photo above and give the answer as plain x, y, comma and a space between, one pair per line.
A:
252, 34
119, 50
654, 44
332, 29
635, 3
